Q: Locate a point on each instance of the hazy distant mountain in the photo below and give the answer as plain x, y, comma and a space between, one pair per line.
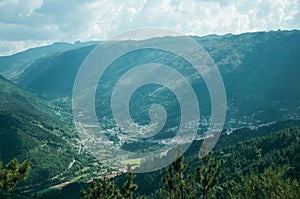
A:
12, 66
260, 71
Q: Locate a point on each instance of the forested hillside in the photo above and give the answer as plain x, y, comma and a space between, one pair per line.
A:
32, 129
259, 68
238, 162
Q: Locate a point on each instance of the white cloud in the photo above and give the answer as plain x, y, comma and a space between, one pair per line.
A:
33, 22
11, 47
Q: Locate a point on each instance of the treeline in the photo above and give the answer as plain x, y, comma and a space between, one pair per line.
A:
254, 156
176, 183
262, 167
203, 183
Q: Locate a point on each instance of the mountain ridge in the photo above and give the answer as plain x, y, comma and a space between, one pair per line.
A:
11, 66
251, 64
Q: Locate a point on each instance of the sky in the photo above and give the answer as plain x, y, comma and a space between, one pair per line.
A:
30, 23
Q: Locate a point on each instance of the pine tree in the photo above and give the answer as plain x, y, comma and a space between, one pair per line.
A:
106, 189
101, 189
207, 175
168, 190
129, 186
174, 182
191, 187
13, 173
270, 184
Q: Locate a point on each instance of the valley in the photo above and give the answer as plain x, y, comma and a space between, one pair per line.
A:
260, 71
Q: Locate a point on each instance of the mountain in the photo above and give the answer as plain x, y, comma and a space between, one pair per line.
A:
54, 75
14, 65
33, 129
260, 72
